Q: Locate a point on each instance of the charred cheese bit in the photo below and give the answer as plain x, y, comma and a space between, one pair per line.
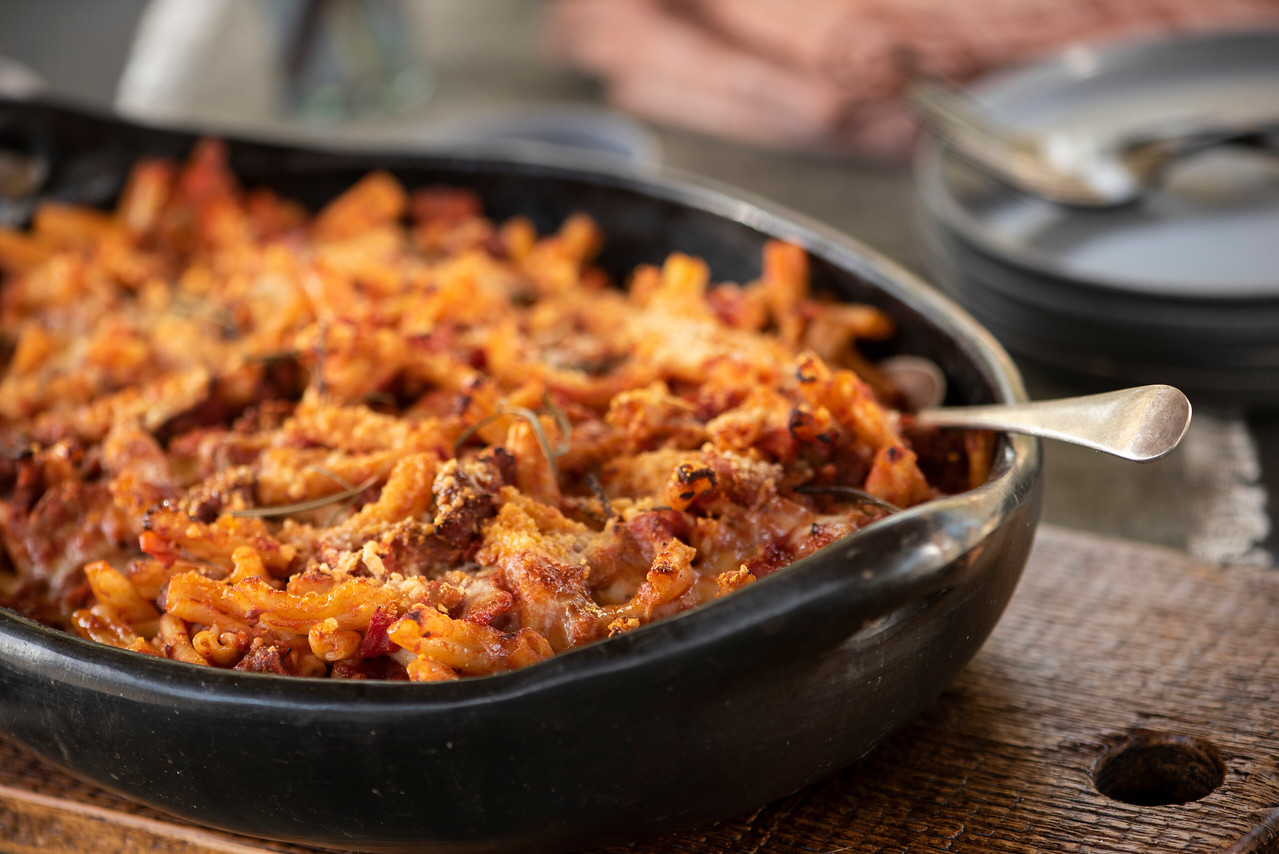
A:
733, 580
690, 483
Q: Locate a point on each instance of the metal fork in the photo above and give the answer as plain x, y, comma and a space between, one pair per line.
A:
1088, 170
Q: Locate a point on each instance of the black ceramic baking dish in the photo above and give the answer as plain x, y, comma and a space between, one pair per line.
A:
689, 720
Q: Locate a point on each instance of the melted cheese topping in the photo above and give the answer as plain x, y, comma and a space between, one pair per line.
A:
396, 440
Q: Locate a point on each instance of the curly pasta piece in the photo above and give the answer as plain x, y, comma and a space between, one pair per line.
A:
115, 591
173, 532
174, 640
670, 577
221, 647
465, 647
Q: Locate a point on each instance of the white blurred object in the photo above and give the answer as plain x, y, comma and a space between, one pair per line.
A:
352, 73
18, 81
177, 69
1230, 524
252, 65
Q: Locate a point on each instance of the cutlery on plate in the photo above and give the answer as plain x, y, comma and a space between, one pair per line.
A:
1071, 166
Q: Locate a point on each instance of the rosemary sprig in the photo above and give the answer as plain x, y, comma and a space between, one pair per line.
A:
380, 398
860, 495
340, 481
598, 488
350, 492
545, 443
274, 357
331, 475
477, 427
319, 351
539, 433
188, 305
561, 421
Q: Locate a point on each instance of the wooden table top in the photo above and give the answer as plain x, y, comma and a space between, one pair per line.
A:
1117, 665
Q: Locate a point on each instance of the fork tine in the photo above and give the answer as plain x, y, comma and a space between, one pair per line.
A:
1014, 155
954, 117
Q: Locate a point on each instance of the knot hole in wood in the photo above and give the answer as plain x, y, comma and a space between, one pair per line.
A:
1149, 768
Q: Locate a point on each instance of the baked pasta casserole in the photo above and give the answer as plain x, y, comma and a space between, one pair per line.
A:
393, 439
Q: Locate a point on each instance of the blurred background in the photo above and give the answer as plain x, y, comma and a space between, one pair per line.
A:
801, 102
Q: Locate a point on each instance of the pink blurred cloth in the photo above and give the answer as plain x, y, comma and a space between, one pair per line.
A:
828, 74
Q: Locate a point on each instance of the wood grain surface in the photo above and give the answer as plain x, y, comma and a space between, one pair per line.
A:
1125, 661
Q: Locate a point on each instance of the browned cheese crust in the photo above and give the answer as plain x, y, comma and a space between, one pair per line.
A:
396, 440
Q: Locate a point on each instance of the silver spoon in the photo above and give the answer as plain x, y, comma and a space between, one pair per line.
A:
1082, 169
1141, 424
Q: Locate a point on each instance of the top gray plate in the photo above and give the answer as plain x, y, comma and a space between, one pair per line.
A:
1210, 229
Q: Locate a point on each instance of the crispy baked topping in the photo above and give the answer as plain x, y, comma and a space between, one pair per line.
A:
396, 440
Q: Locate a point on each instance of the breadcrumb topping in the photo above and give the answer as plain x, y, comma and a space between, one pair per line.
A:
397, 440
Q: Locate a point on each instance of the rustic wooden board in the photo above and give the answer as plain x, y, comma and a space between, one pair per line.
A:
1105, 642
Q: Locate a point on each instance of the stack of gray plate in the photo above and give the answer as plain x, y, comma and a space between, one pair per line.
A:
1180, 287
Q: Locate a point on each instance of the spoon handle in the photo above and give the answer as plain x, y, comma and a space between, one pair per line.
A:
1141, 424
